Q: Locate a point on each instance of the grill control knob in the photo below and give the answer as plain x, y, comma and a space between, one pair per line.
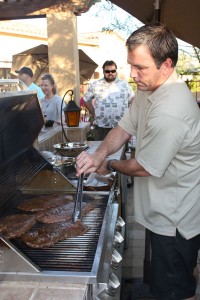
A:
118, 239
120, 224
116, 258
113, 284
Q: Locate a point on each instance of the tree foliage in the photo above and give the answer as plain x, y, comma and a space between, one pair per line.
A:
116, 19
124, 24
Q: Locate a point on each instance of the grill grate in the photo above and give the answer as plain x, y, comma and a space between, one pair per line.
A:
72, 254
21, 171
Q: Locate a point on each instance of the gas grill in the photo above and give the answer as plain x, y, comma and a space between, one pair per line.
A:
84, 259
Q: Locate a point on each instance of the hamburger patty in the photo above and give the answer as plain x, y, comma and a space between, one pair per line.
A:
14, 226
63, 212
44, 202
48, 235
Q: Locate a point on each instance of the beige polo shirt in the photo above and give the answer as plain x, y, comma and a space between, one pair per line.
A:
167, 123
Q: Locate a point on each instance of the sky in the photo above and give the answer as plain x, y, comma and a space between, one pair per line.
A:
97, 18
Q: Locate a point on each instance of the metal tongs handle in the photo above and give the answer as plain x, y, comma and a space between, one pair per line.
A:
78, 203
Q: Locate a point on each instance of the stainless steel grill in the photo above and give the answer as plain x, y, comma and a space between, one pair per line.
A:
84, 259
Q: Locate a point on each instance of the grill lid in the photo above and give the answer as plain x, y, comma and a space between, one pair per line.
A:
21, 120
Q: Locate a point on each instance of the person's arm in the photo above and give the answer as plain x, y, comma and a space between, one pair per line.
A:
97, 162
114, 140
90, 108
128, 167
58, 110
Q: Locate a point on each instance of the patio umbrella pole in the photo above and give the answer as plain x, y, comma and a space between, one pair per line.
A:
157, 11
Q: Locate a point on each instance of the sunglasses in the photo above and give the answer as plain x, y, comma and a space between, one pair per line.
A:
109, 71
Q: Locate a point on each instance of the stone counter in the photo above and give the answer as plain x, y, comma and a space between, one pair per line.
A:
53, 135
20, 290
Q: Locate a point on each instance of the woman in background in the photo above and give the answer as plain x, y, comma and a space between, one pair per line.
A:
51, 103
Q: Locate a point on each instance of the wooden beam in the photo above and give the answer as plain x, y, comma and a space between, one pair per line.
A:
28, 8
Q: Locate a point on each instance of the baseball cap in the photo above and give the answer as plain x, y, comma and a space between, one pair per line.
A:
25, 70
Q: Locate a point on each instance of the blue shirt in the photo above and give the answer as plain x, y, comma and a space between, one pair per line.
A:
34, 87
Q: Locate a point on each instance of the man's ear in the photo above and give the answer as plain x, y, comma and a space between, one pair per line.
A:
166, 65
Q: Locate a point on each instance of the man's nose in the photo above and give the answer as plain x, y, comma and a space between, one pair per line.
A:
133, 72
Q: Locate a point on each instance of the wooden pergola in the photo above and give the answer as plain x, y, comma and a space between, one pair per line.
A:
16, 9
61, 31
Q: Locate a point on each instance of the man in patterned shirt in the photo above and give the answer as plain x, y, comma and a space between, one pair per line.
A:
107, 99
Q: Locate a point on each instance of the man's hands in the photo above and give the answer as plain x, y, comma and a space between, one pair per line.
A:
88, 163
97, 162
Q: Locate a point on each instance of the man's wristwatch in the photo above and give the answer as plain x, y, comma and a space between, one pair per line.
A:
109, 166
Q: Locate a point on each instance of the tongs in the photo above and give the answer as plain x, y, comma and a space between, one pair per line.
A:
78, 203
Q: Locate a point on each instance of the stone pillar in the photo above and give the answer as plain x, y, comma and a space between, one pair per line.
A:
63, 52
